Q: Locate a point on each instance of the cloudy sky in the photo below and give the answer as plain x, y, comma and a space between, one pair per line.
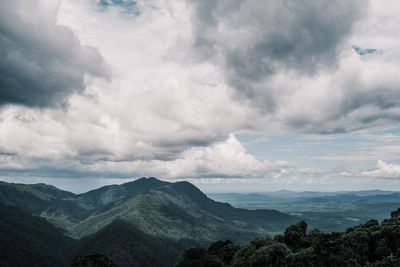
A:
230, 95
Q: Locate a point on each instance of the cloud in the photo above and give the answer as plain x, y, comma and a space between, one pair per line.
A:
186, 79
257, 39
41, 62
384, 170
153, 109
295, 63
224, 159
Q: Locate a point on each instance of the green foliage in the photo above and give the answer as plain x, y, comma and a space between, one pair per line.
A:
270, 255
395, 214
371, 244
243, 254
198, 257
224, 251
389, 261
92, 260
126, 245
295, 235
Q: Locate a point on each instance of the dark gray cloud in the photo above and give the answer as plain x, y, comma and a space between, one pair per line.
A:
41, 63
257, 39
53, 172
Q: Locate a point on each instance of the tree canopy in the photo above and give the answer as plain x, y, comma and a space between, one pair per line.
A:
370, 244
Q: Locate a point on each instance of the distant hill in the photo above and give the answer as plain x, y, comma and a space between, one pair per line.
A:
328, 211
147, 214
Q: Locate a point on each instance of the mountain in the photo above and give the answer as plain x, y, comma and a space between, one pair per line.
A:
28, 240
144, 215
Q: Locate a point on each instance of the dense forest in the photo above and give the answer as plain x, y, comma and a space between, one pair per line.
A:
370, 244
29, 240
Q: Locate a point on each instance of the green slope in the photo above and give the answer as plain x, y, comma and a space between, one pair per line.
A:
127, 246
27, 240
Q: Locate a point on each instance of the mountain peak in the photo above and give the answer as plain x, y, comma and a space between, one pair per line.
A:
148, 183
147, 179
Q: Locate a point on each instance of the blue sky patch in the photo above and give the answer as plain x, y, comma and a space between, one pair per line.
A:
302, 149
364, 51
129, 6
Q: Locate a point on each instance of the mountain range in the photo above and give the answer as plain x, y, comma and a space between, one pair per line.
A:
140, 223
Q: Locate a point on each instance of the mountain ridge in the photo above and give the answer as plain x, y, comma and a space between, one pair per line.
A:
167, 213
159, 214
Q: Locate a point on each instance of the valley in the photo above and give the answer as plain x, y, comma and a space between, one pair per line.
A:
327, 211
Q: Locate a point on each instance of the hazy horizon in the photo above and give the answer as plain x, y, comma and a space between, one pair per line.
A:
88, 186
232, 96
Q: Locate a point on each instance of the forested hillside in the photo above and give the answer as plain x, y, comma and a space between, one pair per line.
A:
27, 240
370, 244
127, 222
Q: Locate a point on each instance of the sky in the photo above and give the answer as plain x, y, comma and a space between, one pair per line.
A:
233, 96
